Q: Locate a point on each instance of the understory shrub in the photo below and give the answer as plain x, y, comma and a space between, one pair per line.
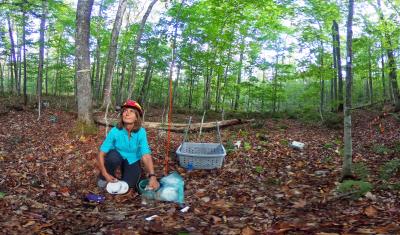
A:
229, 146
360, 170
357, 188
333, 120
390, 169
381, 149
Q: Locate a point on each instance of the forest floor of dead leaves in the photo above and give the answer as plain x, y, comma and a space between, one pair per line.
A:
264, 187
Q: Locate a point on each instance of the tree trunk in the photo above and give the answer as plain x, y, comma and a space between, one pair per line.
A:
190, 77
97, 74
121, 83
348, 151
176, 84
371, 92
84, 91
218, 89
99, 65
112, 53
393, 78
146, 94
322, 81
322, 94
13, 57
19, 63
140, 97
47, 71
210, 76
275, 85
10, 71
383, 74
335, 68
57, 75
41, 55
391, 63
101, 83
191, 84
239, 78
366, 90
58, 65
2, 78
225, 78
92, 76
136, 48
331, 91
24, 50
248, 97
339, 66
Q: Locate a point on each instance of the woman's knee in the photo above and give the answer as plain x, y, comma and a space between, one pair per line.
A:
131, 174
113, 157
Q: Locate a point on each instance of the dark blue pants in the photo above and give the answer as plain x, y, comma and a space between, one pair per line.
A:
130, 172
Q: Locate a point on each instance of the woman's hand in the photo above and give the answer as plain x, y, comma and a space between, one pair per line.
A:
110, 178
148, 163
102, 168
153, 183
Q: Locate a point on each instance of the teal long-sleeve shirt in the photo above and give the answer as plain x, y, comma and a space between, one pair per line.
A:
131, 148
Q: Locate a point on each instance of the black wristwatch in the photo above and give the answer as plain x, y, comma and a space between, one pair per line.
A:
150, 175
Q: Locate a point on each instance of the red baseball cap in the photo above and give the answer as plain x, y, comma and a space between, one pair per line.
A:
133, 104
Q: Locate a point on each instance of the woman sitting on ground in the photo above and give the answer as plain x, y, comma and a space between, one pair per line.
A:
123, 147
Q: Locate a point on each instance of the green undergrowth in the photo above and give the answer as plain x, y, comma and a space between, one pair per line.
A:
361, 170
381, 149
333, 120
390, 169
83, 129
355, 188
229, 146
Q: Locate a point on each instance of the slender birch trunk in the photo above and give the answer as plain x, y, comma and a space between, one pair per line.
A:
348, 150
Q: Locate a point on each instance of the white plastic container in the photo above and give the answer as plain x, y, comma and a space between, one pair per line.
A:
297, 145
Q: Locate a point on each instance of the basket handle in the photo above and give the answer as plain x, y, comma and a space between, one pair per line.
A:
219, 133
187, 129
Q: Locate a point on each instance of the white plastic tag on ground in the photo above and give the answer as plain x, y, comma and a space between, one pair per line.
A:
151, 217
237, 144
185, 209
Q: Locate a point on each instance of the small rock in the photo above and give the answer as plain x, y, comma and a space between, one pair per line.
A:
117, 217
190, 229
259, 199
205, 199
297, 192
370, 196
171, 211
321, 173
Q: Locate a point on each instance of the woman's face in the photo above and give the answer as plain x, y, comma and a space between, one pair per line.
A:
129, 116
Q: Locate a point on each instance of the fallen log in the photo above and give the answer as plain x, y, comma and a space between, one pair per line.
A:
177, 127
